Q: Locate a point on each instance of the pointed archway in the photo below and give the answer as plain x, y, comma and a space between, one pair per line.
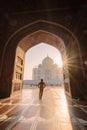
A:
50, 33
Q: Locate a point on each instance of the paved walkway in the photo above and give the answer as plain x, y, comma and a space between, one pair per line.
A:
54, 112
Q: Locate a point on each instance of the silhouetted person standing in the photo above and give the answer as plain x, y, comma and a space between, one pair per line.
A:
41, 87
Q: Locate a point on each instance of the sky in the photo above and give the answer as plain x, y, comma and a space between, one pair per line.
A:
36, 54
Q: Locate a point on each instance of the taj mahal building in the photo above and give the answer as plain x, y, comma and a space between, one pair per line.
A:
49, 72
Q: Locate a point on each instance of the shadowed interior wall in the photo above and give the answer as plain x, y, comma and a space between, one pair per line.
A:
58, 25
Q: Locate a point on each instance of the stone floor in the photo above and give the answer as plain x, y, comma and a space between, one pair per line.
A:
54, 112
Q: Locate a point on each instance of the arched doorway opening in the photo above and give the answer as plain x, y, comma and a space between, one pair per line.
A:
53, 34
33, 39
43, 61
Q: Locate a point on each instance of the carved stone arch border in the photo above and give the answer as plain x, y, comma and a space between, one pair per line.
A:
41, 36
39, 25
61, 33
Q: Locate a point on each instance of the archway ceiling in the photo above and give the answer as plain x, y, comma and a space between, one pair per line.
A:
38, 37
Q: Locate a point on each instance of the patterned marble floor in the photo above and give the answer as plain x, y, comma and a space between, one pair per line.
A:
24, 111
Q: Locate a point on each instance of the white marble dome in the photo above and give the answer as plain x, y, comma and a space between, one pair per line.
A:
47, 60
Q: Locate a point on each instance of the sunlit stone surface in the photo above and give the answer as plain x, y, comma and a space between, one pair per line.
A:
54, 112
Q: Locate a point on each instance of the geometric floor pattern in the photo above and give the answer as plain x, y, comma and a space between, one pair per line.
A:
24, 111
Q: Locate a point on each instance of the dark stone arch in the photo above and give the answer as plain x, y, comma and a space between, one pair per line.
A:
52, 28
